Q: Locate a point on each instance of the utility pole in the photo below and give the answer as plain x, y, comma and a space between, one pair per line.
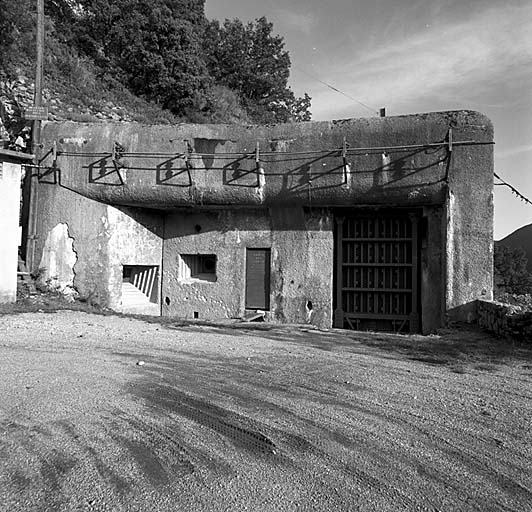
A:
40, 50
35, 142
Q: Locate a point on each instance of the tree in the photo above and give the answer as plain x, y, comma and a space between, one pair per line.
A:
17, 33
510, 272
252, 61
152, 46
164, 51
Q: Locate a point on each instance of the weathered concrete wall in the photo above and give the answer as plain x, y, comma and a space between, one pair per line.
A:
301, 268
469, 209
432, 285
9, 228
101, 237
299, 163
302, 265
285, 201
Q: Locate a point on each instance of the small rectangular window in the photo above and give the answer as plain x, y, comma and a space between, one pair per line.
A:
200, 267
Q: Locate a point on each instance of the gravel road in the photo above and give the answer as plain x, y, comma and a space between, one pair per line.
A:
233, 418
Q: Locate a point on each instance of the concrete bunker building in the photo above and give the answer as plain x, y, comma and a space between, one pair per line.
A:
381, 223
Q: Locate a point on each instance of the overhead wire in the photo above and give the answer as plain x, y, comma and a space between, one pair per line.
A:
324, 151
512, 188
335, 89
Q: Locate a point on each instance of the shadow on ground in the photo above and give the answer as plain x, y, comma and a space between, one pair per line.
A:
463, 345
458, 347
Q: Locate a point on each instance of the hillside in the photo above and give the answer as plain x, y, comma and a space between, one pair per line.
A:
175, 66
522, 237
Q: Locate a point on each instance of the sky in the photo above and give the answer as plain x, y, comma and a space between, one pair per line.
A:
415, 56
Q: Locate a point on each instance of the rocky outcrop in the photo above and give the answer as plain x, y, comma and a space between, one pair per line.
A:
17, 94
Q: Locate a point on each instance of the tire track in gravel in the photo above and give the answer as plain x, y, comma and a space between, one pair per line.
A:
47, 467
240, 430
168, 398
229, 423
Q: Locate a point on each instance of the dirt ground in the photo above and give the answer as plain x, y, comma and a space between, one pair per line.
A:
231, 418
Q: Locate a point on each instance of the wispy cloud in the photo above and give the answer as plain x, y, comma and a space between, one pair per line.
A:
453, 60
296, 21
517, 150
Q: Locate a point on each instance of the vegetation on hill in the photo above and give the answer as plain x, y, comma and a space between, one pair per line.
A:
151, 61
522, 238
510, 271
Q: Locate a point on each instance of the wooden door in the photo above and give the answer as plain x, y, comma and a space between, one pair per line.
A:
258, 279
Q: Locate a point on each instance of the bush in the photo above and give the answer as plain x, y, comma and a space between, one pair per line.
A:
510, 271
523, 301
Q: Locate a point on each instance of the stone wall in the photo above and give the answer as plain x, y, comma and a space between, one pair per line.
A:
505, 319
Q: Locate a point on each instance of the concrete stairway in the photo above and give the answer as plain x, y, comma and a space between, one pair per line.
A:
134, 301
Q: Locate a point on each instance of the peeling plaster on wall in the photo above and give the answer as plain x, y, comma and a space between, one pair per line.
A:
280, 145
75, 141
58, 260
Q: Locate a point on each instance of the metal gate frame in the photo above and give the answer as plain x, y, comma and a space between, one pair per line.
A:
371, 289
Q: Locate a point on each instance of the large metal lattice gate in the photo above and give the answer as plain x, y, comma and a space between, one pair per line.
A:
377, 272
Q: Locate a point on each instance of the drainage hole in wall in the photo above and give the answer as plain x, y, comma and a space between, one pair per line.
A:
196, 314
167, 301
197, 227
309, 305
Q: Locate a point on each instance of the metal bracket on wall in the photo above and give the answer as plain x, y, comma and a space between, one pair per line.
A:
116, 157
188, 157
52, 170
258, 166
450, 140
450, 153
345, 162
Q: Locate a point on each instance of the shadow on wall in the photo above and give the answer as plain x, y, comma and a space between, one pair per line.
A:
296, 172
174, 173
464, 313
152, 220
392, 172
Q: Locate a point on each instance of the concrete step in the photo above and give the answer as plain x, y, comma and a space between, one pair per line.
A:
135, 302
150, 309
